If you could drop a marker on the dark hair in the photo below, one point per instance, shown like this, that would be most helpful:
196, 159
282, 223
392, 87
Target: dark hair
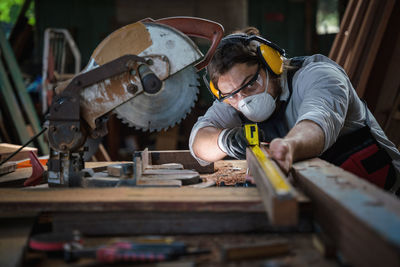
249, 31
231, 52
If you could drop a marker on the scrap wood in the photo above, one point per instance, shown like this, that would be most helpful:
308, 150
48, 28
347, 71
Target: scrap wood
228, 172
16, 178
7, 149
8, 167
145, 171
179, 156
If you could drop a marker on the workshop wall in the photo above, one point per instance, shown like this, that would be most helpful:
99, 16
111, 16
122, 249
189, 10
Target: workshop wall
291, 24
89, 22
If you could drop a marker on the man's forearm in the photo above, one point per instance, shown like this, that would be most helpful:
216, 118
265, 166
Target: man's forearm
205, 144
307, 140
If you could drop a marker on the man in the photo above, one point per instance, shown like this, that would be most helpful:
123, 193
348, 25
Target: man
305, 107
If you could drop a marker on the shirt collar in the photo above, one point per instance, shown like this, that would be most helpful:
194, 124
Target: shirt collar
285, 94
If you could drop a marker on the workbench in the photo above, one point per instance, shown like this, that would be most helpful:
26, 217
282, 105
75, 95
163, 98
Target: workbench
206, 217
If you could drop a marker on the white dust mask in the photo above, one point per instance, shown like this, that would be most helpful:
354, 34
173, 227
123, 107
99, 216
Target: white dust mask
258, 107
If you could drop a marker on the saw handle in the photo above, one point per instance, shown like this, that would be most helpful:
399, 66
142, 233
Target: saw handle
196, 27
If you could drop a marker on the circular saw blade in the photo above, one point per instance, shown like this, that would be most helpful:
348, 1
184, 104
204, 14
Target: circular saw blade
164, 109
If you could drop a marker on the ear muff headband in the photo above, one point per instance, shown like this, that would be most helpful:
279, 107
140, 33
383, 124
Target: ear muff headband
270, 54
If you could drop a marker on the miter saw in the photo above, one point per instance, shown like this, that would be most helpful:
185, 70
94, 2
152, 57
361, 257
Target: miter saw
144, 72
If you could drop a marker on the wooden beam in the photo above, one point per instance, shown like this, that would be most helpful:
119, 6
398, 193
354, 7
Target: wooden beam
351, 32
117, 211
362, 220
131, 199
163, 223
369, 58
341, 36
281, 209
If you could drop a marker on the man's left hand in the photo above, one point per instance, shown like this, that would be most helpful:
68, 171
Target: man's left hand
282, 152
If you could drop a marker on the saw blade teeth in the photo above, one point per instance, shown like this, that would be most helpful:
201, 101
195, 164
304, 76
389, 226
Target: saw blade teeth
166, 109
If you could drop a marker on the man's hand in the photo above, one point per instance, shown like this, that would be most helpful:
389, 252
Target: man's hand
233, 142
282, 152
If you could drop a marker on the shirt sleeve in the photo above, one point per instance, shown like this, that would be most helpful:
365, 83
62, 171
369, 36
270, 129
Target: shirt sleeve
325, 92
219, 115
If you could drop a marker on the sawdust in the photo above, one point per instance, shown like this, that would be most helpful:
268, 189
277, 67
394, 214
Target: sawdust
228, 172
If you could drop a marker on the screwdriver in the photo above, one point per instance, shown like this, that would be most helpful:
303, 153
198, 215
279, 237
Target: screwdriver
128, 252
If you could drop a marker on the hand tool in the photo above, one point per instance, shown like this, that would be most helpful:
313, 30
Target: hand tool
129, 252
53, 241
277, 194
271, 169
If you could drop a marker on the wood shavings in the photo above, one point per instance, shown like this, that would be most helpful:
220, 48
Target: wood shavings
228, 172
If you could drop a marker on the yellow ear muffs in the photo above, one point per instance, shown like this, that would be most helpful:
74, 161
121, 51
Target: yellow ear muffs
271, 58
214, 91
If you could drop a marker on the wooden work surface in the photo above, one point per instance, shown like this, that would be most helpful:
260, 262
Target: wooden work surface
117, 212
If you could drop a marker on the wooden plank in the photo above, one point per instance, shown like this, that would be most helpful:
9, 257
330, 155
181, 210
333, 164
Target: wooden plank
386, 95
351, 33
8, 167
373, 28
15, 179
179, 156
281, 210
341, 35
7, 149
359, 217
129, 198
163, 223
372, 51
146, 173
159, 182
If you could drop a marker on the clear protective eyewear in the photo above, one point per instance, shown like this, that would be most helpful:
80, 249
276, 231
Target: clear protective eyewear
246, 89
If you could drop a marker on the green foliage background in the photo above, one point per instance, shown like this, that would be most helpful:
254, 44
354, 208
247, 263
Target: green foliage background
9, 11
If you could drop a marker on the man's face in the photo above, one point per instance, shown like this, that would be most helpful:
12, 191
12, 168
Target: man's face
250, 80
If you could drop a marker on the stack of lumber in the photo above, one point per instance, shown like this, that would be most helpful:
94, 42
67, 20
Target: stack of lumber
368, 48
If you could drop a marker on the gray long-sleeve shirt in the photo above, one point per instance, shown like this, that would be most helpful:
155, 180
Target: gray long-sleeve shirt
322, 93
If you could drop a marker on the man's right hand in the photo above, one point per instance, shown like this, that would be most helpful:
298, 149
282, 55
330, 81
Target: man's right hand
233, 142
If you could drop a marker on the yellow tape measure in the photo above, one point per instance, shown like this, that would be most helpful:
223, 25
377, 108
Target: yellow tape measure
275, 177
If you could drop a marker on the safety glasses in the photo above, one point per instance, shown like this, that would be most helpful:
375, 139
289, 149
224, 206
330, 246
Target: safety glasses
221, 97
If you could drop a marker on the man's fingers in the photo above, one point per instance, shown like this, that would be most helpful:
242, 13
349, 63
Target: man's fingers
280, 152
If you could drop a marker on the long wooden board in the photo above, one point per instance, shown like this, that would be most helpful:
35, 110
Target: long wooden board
127, 198
362, 220
117, 211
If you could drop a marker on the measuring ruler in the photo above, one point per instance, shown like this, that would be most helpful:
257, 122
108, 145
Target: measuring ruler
270, 168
